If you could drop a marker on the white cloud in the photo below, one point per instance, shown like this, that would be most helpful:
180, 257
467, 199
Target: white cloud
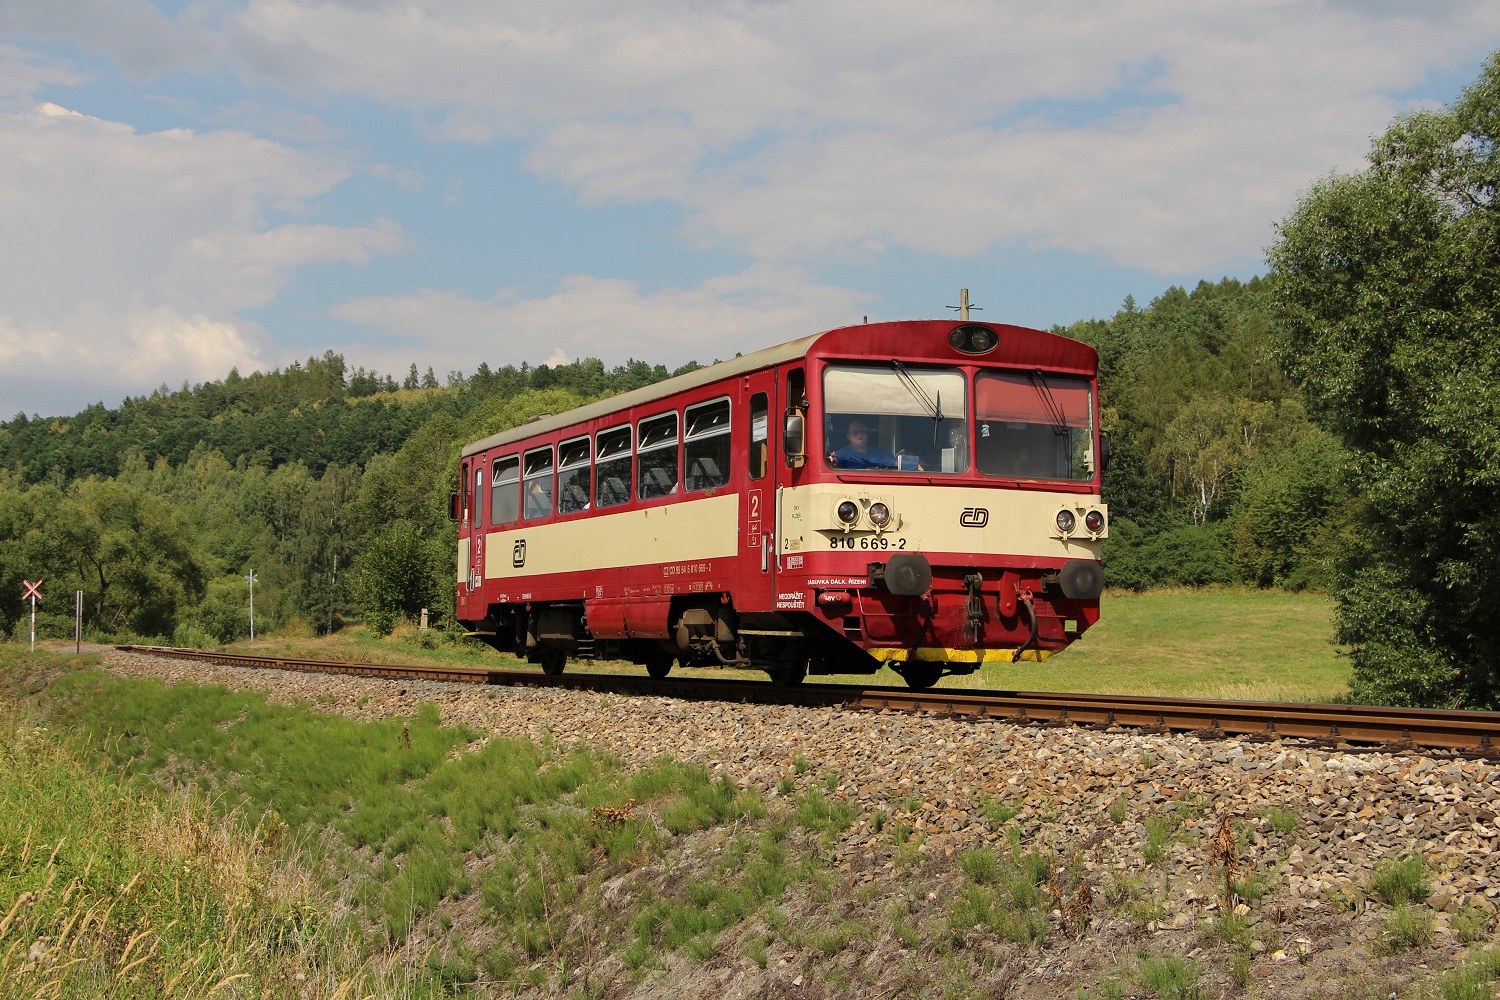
140, 39
23, 73
128, 255
609, 319
92, 353
1166, 134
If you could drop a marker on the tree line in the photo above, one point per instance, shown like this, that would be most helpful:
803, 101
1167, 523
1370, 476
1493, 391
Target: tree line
1331, 425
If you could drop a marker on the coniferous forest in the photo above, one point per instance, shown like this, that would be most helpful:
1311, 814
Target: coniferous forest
1333, 425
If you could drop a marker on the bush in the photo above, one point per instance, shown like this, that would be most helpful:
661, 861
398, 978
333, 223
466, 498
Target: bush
1184, 556
396, 575
188, 635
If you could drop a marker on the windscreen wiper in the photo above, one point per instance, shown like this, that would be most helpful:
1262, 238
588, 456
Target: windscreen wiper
920, 395
1049, 403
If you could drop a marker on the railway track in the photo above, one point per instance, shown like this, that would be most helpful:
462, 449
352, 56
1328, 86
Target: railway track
1474, 733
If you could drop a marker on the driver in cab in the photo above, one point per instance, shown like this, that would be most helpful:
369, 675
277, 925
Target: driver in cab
859, 453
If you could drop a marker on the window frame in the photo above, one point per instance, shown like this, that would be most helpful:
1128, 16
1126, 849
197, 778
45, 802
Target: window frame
547, 472
665, 444
499, 467
627, 453
724, 429
568, 467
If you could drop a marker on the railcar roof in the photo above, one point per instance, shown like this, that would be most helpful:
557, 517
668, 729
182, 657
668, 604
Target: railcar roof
648, 393
1045, 349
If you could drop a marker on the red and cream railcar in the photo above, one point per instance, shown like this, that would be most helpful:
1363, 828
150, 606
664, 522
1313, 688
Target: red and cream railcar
921, 494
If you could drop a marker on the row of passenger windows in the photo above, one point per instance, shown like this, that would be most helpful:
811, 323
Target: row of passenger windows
598, 473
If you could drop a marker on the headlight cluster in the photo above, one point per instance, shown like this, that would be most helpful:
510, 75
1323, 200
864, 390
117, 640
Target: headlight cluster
850, 512
1094, 521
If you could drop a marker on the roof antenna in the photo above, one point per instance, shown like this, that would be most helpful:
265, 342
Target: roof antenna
963, 306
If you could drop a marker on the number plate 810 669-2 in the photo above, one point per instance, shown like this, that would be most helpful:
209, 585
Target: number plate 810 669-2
865, 542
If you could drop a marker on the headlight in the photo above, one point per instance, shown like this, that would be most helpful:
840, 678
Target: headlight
848, 511
880, 514
973, 339
1094, 521
1066, 522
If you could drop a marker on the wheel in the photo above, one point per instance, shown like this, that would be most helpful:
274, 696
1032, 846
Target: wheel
921, 676
787, 674
553, 661
658, 664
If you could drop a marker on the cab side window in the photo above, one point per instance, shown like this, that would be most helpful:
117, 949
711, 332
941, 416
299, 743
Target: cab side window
760, 435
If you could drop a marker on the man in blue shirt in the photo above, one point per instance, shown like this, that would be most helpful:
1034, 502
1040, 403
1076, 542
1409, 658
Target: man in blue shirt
858, 453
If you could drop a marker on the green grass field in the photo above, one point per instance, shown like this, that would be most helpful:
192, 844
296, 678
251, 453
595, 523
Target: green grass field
1243, 644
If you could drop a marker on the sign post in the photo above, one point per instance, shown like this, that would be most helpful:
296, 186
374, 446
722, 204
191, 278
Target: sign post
251, 580
78, 621
31, 595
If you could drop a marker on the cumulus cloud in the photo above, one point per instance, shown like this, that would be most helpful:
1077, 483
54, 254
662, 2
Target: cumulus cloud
129, 254
1163, 134
611, 319
23, 73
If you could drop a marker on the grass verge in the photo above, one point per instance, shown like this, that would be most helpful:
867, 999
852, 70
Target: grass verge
1214, 643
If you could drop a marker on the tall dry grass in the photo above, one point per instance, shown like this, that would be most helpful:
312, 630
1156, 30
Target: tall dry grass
109, 891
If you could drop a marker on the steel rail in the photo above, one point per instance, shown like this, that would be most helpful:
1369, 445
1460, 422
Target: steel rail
393, 671
1453, 729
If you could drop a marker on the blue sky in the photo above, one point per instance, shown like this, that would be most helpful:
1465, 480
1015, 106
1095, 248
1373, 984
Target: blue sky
187, 187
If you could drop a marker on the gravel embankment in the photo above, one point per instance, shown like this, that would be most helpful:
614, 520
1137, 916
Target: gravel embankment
1316, 932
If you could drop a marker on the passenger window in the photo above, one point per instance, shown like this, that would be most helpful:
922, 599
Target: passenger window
573, 487
656, 457
505, 491
705, 450
760, 435
612, 467
537, 483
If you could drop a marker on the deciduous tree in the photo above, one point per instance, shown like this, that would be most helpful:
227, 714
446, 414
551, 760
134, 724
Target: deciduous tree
1388, 284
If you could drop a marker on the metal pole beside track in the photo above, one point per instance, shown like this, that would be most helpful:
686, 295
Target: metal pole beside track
251, 580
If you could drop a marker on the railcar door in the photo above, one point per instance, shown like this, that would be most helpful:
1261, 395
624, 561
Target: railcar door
761, 417
758, 556
476, 526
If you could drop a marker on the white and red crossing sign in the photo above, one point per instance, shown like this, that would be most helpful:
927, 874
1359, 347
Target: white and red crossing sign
32, 596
